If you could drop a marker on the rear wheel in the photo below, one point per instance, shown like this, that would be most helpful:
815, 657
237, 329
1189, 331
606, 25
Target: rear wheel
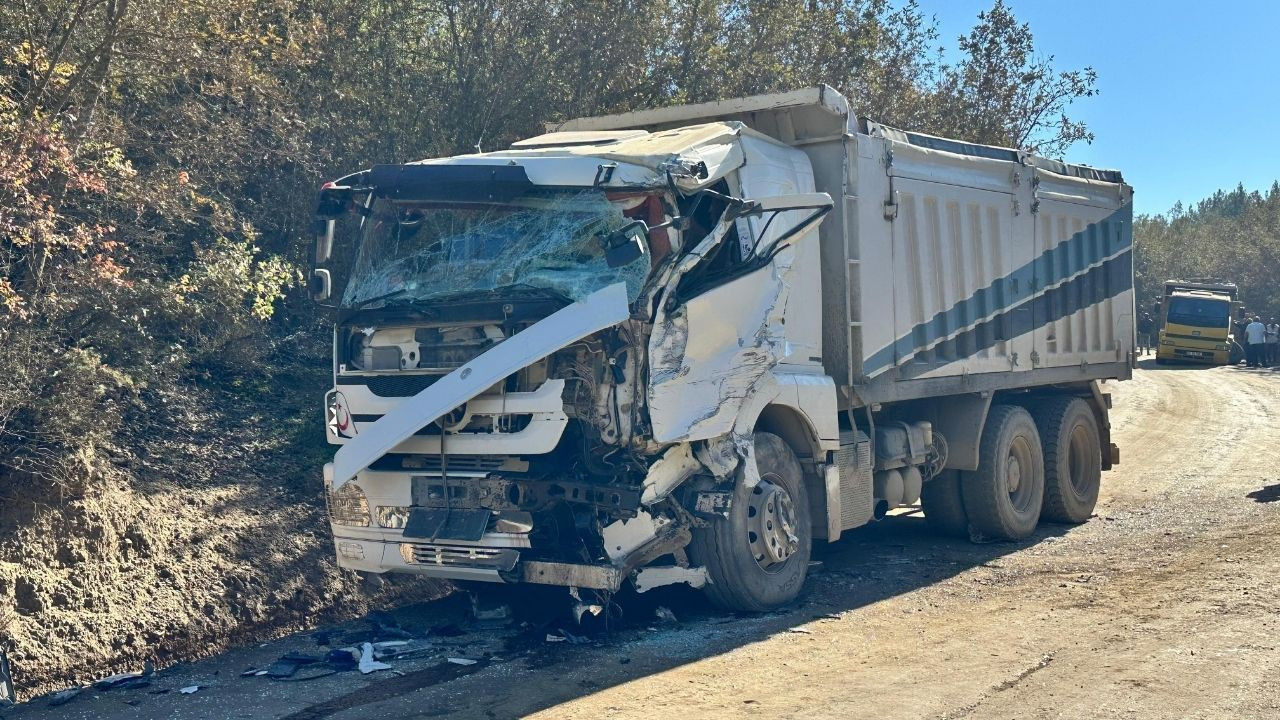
757, 558
1072, 459
943, 505
1004, 495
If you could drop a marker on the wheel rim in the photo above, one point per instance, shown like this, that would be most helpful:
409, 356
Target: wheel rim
1080, 460
1018, 473
771, 524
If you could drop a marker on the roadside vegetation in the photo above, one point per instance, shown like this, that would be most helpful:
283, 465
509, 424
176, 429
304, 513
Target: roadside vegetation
1233, 235
160, 428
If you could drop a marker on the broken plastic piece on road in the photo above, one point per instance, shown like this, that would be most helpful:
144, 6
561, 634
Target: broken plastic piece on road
289, 663
367, 663
62, 697
189, 689
401, 649
124, 681
565, 636
463, 661
343, 658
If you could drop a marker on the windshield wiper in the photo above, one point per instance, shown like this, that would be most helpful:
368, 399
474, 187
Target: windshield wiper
386, 296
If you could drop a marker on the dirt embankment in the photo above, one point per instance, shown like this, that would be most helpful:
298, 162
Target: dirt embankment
206, 532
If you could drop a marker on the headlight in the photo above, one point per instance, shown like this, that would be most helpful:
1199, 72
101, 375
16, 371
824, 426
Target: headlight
1166, 342
392, 516
348, 506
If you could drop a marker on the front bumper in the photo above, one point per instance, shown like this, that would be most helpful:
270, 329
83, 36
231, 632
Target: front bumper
1207, 354
483, 561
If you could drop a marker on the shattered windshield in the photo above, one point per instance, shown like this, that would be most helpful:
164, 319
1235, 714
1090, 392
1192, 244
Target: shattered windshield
414, 251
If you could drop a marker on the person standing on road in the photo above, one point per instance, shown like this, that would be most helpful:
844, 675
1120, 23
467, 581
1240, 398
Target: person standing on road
1255, 334
1273, 342
1146, 324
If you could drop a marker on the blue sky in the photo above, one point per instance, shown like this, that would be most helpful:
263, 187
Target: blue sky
1190, 91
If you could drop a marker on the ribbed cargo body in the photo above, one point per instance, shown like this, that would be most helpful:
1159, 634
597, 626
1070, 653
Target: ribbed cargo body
947, 267
952, 268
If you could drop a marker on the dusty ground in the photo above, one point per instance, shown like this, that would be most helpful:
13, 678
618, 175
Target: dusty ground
1163, 606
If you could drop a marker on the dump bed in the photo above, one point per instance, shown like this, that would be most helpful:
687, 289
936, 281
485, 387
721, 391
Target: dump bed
948, 267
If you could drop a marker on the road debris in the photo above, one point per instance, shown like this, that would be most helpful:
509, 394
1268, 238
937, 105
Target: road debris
386, 626
367, 663
288, 664
126, 681
189, 689
401, 649
62, 697
664, 614
490, 615
463, 661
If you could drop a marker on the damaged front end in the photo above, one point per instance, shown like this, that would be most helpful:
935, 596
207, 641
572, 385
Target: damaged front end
527, 385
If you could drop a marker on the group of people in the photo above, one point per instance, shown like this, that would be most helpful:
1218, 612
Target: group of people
1262, 343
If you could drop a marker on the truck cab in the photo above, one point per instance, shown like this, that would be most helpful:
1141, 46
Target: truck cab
1196, 323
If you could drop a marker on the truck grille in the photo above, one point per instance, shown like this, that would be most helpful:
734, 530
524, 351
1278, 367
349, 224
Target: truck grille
503, 559
392, 385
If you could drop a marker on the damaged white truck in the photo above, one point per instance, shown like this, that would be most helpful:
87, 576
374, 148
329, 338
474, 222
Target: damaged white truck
681, 345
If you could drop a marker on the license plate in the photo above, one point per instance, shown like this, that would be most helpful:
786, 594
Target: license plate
1196, 354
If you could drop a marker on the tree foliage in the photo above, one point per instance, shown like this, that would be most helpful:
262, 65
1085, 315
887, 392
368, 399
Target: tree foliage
157, 159
1232, 235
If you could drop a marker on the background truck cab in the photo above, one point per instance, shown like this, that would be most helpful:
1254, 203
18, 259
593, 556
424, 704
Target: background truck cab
1197, 320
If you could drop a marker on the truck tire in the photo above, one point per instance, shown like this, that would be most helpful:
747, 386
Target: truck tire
758, 556
1072, 459
944, 505
1004, 495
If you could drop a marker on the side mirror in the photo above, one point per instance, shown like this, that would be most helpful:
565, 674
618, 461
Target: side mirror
625, 245
320, 285
324, 239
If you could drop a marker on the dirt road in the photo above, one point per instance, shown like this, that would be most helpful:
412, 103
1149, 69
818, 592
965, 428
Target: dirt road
1163, 606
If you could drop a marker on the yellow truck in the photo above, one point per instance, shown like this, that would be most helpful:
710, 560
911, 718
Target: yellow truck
1196, 323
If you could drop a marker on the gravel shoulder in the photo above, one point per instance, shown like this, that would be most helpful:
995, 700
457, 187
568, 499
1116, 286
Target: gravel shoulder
1163, 606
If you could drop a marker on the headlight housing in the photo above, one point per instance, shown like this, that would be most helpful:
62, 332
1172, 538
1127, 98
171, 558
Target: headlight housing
349, 506
392, 516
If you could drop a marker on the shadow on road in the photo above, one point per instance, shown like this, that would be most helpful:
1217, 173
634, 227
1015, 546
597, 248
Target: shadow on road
1267, 494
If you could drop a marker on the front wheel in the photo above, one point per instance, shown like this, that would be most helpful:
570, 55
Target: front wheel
758, 556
